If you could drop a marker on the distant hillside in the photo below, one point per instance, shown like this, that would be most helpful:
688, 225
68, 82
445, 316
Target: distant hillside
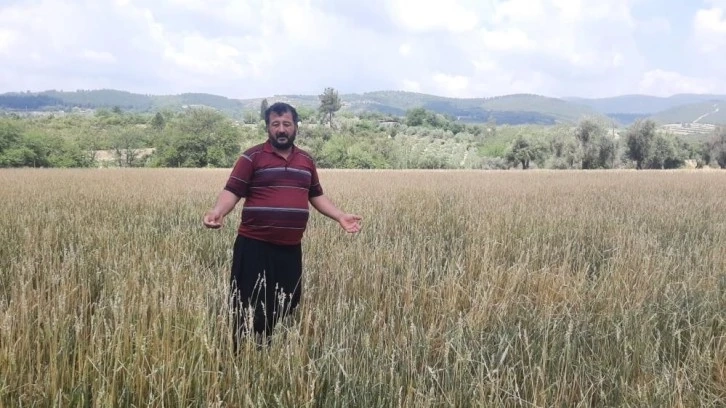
679, 108
642, 104
108, 98
508, 109
712, 112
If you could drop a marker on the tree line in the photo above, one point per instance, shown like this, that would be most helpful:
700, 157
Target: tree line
204, 137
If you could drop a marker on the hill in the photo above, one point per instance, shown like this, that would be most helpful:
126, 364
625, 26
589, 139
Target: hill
516, 109
109, 98
642, 104
508, 109
711, 112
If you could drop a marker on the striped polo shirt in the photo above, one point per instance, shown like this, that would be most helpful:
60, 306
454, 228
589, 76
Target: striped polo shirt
276, 192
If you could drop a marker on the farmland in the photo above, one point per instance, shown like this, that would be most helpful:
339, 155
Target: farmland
465, 288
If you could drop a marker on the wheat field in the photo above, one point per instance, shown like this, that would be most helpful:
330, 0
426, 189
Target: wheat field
465, 288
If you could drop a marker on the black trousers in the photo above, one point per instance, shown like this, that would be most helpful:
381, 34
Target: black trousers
266, 284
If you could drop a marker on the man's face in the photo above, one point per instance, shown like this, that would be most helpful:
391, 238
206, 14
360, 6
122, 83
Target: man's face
282, 130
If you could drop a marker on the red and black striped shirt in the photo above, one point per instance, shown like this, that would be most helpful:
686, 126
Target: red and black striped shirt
276, 192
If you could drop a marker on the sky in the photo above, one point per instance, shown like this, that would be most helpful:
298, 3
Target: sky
457, 48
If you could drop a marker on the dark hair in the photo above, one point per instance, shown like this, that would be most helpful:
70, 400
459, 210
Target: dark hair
280, 108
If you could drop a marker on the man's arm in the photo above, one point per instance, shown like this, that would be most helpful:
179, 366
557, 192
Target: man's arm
349, 222
225, 203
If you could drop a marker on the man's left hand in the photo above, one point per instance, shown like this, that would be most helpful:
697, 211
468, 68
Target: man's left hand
350, 222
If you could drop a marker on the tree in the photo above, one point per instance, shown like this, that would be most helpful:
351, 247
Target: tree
565, 150
305, 113
249, 118
13, 152
416, 117
126, 144
329, 104
263, 108
523, 151
705, 151
664, 153
718, 146
9, 135
158, 122
607, 152
589, 133
639, 141
202, 137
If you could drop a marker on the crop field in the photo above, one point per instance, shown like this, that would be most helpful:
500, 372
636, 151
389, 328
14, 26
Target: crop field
465, 288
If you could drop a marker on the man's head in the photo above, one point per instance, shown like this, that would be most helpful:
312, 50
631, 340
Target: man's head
281, 120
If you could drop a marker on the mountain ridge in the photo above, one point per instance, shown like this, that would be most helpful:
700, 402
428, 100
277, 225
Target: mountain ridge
516, 108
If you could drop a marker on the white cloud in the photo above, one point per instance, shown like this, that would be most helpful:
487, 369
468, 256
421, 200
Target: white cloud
411, 86
404, 49
432, 15
519, 11
506, 40
710, 28
655, 26
7, 39
264, 47
556, 47
451, 85
665, 83
206, 57
102, 57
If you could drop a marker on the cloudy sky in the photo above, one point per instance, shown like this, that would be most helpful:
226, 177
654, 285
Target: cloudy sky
463, 48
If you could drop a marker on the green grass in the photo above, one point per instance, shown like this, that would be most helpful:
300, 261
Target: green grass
465, 288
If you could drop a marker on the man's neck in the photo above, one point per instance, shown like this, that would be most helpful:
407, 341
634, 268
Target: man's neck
283, 152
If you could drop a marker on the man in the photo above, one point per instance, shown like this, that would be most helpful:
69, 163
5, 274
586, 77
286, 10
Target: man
277, 180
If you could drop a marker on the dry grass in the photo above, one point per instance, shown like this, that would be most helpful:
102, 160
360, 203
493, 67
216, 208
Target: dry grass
464, 289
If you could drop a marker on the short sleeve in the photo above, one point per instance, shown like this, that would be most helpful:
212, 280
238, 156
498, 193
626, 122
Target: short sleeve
315, 188
239, 179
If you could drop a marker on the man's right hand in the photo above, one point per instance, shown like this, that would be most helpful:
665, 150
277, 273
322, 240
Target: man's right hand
225, 203
213, 219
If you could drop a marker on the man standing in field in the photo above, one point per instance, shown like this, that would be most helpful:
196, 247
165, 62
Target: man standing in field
277, 180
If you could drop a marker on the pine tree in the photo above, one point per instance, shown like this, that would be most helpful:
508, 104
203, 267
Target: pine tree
263, 108
329, 103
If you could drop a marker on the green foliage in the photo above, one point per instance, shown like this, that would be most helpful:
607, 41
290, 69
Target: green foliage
305, 114
598, 149
10, 134
607, 152
526, 149
423, 117
158, 123
343, 151
639, 141
664, 153
22, 148
588, 133
199, 138
249, 118
126, 144
718, 147
204, 137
